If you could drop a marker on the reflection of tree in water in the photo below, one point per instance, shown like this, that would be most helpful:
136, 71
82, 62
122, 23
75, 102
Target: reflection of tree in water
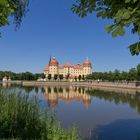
42, 89
83, 90
79, 90
132, 99
10, 86
28, 89
75, 89
49, 90
55, 89
36, 90
67, 90
60, 90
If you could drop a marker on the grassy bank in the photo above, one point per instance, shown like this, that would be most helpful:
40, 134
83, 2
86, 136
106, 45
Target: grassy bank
21, 119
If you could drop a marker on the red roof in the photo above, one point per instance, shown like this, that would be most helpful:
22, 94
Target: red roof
54, 62
61, 67
68, 65
78, 67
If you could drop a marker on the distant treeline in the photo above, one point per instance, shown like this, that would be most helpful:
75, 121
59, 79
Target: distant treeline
132, 75
21, 76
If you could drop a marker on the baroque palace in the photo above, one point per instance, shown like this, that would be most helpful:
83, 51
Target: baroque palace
72, 71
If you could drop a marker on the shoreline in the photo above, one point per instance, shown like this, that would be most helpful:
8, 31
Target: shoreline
118, 87
124, 88
121, 85
130, 85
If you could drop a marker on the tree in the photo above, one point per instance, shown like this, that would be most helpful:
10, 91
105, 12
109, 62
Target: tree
61, 76
67, 76
124, 13
124, 76
49, 76
75, 78
83, 77
114, 76
79, 77
27, 76
90, 76
21, 76
138, 72
14, 8
55, 77
132, 74
39, 75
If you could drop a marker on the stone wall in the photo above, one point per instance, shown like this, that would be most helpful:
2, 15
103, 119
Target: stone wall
129, 85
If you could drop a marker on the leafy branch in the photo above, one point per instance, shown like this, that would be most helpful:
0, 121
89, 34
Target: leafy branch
124, 13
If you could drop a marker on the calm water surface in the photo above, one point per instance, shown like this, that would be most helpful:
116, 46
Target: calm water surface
106, 114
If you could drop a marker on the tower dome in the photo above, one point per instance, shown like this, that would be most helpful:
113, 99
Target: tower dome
54, 62
87, 63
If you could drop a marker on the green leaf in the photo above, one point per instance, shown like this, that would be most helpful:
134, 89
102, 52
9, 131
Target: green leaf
126, 15
119, 13
127, 1
135, 1
110, 27
119, 31
2, 3
99, 14
135, 48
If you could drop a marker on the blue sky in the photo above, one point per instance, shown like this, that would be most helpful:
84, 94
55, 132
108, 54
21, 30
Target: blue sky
50, 28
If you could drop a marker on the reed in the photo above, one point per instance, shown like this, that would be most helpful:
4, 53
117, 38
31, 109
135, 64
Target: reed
22, 119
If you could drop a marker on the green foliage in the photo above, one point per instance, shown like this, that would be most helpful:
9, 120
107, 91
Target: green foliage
15, 8
22, 119
135, 48
7, 8
20, 11
131, 75
61, 76
75, 78
67, 76
79, 77
49, 76
124, 13
83, 77
55, 77
21, 76
118, 98
138, 72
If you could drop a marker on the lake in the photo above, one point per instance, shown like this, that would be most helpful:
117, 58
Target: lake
106, 114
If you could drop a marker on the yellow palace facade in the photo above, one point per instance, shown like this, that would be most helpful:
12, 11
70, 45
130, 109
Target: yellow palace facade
73, 71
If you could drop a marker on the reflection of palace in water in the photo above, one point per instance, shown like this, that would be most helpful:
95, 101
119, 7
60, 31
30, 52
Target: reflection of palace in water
67, 94
6, 85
